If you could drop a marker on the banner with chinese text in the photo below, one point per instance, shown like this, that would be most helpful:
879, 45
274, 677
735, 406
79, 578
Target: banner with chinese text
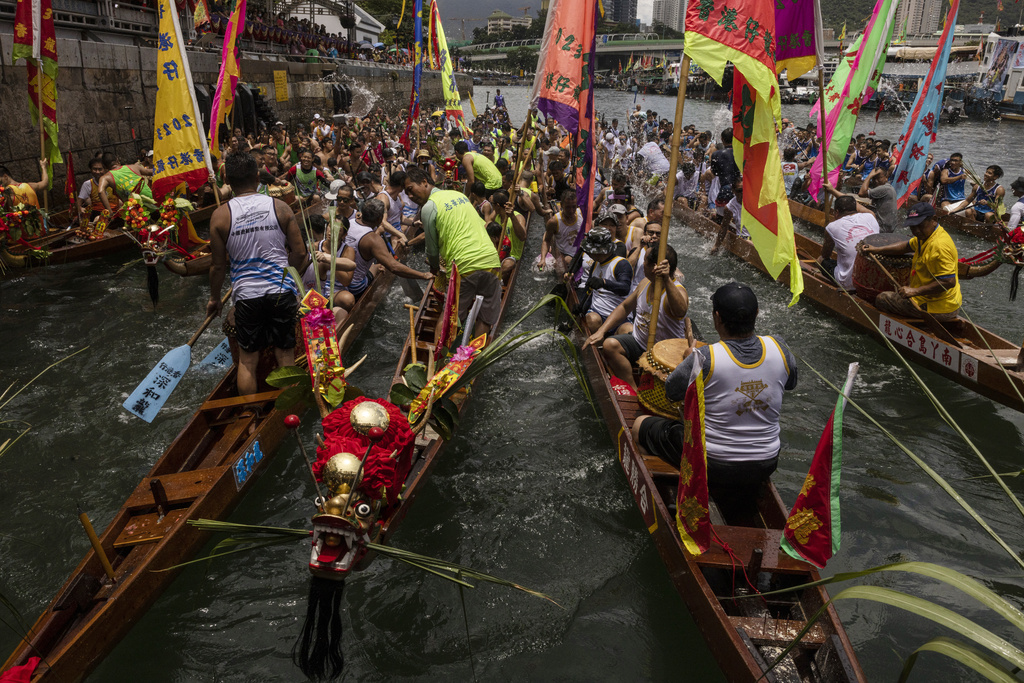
36, 43
692, 520
442, 58
798, 37
180, 155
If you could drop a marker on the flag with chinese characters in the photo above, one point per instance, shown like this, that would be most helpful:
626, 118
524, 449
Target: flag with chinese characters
812, 529
854, 82
756, 150
910, 153
224, 97
36, 43
692, 520
562, 88
417, 74
201, 15
442, 59
799, 38
180, 155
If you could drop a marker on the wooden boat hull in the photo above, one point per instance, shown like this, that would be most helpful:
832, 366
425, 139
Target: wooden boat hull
971, 366
959, 222
205, 472
730, 637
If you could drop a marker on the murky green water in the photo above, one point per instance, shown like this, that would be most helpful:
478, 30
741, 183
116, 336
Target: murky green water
529, 489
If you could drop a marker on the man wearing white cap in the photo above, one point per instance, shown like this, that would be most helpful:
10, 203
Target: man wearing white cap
320, 127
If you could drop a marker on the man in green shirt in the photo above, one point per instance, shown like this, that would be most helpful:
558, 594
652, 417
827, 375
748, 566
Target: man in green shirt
455, 233
478, 167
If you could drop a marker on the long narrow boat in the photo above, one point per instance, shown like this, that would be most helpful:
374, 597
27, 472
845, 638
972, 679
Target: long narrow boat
428, 444
957, 351
204, 473
746, 635
955, 221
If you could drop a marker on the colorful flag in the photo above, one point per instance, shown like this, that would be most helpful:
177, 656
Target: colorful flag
180, 155
854, 82
562, 87
911, 151
716, 34
842, 32
35, 42
201, 15
799, 37
417, 73
442, 58
224, 97
903, 31
692, 519
629, 64
69, 185
766, 213
812, 529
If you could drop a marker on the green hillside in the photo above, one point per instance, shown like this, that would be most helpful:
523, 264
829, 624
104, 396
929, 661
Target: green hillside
856, 13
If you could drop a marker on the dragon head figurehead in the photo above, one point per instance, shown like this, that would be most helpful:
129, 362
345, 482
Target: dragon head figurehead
363, 461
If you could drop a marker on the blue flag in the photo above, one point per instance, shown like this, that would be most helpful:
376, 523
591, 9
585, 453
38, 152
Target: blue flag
911, 152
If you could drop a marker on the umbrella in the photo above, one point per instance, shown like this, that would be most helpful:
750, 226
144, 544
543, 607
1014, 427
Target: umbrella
378, 44
365, 46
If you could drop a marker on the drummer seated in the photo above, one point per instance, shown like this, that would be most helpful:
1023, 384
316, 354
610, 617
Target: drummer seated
610, 276
854, 223
934, 282
745, 377
622, 351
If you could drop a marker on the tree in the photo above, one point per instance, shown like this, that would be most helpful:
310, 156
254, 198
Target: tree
665, 31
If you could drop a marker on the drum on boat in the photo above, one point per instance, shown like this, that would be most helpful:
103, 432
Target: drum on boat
868, 279
657, 365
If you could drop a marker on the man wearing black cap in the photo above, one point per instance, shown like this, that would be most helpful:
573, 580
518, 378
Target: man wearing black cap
745, 376
934, 286
610, 276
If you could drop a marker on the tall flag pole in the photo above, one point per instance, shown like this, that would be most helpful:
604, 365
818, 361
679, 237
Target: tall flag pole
716, 34
562, 87
417, 73
920, 129
36, 43
180, 154
224, 97
812, 530
854, 82
442, 58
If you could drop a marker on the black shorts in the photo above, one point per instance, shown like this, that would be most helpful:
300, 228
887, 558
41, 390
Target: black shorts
266, 321
358, 292
630, 345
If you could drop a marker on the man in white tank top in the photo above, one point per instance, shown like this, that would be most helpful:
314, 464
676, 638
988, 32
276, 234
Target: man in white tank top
561, 230
260, 236
622, 351
610, 276
745, 377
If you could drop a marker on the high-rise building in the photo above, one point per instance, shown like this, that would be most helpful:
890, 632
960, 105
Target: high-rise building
922, 17
671, 13
620, 11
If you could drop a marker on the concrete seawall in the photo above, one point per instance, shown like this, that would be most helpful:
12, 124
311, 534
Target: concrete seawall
107, 91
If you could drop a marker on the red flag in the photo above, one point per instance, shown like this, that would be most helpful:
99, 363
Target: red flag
448, 330
69, 185
36, 42
812, 529
20, 674
692, 519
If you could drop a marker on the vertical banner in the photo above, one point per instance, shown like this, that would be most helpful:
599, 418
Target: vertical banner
442, 58
911, 152
36, 43
281, 85
799, 37
692, 520
180, 154
224, 97
854, 82
417, 73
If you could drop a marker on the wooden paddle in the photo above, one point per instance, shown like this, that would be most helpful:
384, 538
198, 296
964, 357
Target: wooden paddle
151, 394
929, 319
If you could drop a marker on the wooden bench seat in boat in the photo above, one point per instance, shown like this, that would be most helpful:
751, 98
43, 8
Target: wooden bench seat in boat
743, 541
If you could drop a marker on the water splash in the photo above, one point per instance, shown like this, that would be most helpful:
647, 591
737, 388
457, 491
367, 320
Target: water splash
363, 99
720, 120
891, 96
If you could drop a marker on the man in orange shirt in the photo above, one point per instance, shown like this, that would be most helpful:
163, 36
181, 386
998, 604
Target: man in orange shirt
23, 193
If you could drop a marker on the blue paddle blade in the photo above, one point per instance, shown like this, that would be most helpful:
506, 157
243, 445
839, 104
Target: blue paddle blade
220, 357
149, 397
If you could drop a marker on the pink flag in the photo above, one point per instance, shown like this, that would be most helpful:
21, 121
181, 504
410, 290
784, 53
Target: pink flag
224, 98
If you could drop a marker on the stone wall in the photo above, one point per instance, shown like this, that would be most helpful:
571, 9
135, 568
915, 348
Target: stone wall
106, 97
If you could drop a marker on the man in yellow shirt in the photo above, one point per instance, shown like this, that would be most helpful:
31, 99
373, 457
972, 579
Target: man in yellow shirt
477, 167
23, 193
934, 286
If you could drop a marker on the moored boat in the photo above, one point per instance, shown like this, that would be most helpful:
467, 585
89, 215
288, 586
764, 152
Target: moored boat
744, 635
204, 473
957, 350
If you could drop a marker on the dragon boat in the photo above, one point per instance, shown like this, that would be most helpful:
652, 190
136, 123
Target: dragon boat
744, 635
212, 463
973, 357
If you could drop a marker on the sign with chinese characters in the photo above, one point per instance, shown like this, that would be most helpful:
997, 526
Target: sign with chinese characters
180, 153
633, 467
149, 397
246, 464
281, 85
915, 340
969, 367
220, 357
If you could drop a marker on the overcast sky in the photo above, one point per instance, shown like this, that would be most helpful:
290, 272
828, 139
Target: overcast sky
452, 11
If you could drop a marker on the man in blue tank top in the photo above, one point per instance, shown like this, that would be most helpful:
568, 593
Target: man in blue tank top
260, 237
